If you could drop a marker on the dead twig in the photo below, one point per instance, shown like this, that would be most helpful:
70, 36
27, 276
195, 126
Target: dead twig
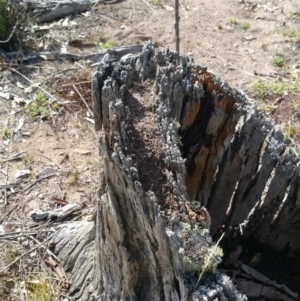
148, 5
78, 83
46, 249
38, 180
74, 87
21, 256
30, 81
23, 233
208, 262
12, 157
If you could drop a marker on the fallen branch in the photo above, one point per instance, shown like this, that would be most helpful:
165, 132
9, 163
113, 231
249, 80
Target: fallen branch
113, 55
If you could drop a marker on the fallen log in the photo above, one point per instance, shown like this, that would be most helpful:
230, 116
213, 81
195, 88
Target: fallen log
184, 157
113, 55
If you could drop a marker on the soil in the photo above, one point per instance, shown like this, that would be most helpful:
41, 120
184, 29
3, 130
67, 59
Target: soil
58, 146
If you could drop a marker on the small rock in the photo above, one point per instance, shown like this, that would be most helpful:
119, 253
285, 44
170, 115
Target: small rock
123, 26
249, 38
22, 173
25, 244
41, 196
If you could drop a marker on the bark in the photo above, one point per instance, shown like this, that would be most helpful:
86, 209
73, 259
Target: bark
197, 142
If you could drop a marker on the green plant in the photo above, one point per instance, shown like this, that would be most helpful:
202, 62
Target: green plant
295, 16
28, 159
232, 21
155, 2
245, 25
39, 288
31, 175
211, 260
260, 89
12, 19
108, 44
279, 88
292, 130
73, 177
286, 32
5, 133
39, 105
278, 60
12, 254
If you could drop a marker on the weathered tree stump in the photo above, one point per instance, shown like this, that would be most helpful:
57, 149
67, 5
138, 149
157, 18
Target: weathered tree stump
175, 140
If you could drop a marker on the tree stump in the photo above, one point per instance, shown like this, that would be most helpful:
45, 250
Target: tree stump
185, 158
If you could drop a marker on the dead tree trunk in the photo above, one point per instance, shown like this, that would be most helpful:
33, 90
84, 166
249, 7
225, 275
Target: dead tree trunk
175, 140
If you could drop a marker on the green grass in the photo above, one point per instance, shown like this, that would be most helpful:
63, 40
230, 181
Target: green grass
295, 16
73, 177
290, 33
262, 89
5, 133
245, 25
292, 130
155, 2
12, 254
39, 105
278, 60
6, 21
108, 44
39, 289
28, 159
233, 21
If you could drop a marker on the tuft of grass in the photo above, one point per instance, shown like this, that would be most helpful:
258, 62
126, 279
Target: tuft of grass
292, 130
5, 133
295, 16
12, 254
278, 60
279, 88
39, 105
155, 2
211, 260
12, 24
262, 89
31, 176
73, 177
233, 21
28, 159
108, 44
290, 33
38, 288
245, 25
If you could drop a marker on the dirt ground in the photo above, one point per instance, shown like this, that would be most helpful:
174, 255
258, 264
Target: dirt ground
47, 129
